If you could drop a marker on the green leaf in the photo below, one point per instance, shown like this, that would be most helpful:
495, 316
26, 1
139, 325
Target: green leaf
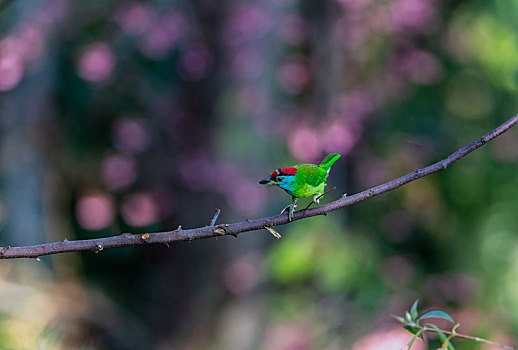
413, 329
413, 310
436, 313
408, 317
400, 319
418, 334
442, 337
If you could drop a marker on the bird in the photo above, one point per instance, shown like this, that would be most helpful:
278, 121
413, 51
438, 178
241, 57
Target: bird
302, 180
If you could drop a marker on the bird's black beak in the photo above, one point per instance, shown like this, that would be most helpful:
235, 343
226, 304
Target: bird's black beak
266, 181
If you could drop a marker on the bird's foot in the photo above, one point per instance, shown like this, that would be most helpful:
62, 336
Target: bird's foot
288, 207
291, 209
290, 213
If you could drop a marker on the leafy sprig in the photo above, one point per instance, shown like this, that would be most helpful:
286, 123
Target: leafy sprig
412, 323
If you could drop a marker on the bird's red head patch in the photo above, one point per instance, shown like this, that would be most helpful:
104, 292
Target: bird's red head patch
283, 171
289, 171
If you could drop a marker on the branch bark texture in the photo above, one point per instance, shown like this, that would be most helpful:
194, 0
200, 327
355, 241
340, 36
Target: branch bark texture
127, 239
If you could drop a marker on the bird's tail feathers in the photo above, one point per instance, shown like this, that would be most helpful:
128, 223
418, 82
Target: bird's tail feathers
329, 161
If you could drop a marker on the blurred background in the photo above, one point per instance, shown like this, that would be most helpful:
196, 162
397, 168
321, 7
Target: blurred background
127, 116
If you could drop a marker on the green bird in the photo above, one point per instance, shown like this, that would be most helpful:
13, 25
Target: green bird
302, 180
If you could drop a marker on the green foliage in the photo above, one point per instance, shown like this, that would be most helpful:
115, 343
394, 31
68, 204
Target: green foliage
320, 252
437, 313
411, 323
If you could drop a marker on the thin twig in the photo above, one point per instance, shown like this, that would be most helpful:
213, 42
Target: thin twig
216, 214
127, 239
465, 336
322, 195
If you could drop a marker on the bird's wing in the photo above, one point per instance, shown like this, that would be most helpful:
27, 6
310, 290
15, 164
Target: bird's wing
311, 174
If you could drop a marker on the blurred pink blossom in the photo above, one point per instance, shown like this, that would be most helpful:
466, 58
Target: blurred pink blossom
416, 15
353, 106
32, 41
26, 44
163, 35
195, 63
11, 72
139, 210
96, 62
242, 276
52, 11
118, 172
420, 67
133, 17
131, 135
245, 197
288, 336
339, 138
304, 144
245, 21
294, 75
95, 212
397, 338
352, 31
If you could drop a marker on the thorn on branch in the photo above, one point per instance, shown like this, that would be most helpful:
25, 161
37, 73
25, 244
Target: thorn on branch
273, 232
98, 248
216, 214
4, 249
219, 230
145, 236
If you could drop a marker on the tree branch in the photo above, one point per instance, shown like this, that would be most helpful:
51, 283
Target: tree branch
127, 239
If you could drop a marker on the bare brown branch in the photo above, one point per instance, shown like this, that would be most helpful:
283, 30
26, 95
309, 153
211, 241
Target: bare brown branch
126, 239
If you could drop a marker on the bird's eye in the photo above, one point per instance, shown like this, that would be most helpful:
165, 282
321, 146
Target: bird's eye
279, 179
